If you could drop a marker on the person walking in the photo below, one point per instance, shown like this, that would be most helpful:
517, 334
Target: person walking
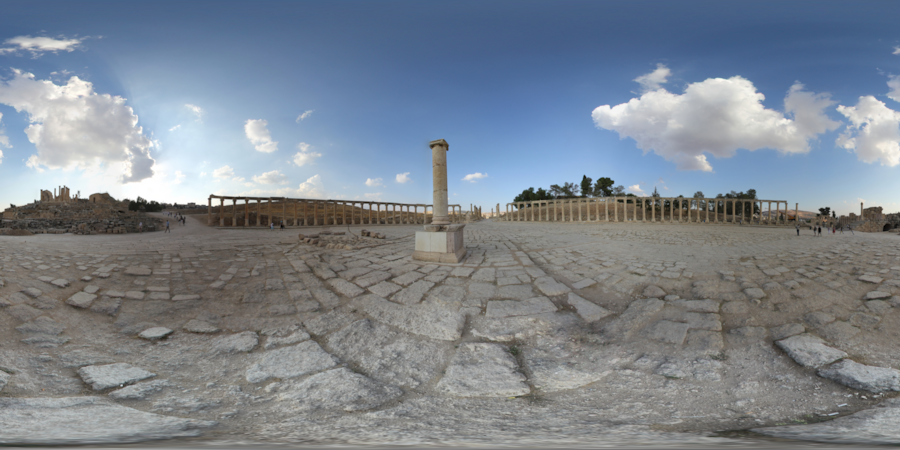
282, 225
842, 229
167, 227
272, 226
851, 229
140, 227
798, 228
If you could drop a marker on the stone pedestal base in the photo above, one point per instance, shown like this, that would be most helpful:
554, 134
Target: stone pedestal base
440, 243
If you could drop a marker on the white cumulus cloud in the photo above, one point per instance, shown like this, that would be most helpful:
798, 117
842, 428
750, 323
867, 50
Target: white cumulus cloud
179, 177
273, 177
636, 190
716, 116
873, 132
305, 156
896, 51
226, 173
40, 44
259, 136
403, 178
74, 127
473, 177
373, 196
372, 182
894, 84
305, 115
654, 80
197, 111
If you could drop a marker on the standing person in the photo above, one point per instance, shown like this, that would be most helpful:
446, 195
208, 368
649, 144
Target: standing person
272, 226
798, 228
820, 231
850, 228
842, 229
140, 227
282, 225
167, 227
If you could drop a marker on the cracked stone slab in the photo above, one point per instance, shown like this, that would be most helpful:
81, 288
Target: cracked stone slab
667, 331
86, 421
112, 375
638, 314
483, 370
871, 279
555, 369
425, 320
139, 391
337, 390
290, 362
155, 333
810, 351
388, 356
344, 287
860, 376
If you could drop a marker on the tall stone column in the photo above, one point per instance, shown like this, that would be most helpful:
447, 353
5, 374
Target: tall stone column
653, 209
246, 212
221, 212
616, 209
234, 212
209, 211
439, 149
861, 211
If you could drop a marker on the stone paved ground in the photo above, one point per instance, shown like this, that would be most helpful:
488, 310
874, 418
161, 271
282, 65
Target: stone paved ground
557, 333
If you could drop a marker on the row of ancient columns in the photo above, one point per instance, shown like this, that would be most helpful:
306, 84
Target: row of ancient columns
581, 209
325, 212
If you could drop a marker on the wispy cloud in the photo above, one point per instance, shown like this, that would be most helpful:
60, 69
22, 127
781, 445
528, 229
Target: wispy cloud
473, 177
198, 111
39, 45
175, 127
273, 177
372, 182
305, 115
403, 178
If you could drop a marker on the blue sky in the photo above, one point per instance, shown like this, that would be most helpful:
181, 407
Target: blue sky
174, 101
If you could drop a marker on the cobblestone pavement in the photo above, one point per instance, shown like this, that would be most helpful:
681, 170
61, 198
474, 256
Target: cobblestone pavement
545, 333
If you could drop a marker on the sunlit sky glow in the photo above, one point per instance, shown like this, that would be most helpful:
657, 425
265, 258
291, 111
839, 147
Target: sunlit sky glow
174, 101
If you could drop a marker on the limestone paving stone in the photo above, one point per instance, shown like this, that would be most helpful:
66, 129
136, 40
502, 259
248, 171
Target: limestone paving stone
112, 375
482, 370
875, 295
511, 308
876, 426
32, 292
138, 271
81, 300
588, 311
878, 307
810, 351
838, 331
60, 283
413, 293
787, 330
42, 325
653, 292
344, 287
431, 321
337, 390
139, 391
384, 289
86, 421
390, 357
667, 331
185, 297
638, 314
871, 279
290, 362
4, 379
107, 305
236, 343
155, 333
134, 295
863, 377
551, 287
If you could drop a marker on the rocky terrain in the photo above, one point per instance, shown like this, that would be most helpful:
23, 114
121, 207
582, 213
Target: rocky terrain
547, 333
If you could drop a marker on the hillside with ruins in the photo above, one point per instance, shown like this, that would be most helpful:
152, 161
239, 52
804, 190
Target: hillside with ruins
59, 211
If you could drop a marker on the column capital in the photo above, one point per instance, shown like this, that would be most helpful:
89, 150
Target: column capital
440, 142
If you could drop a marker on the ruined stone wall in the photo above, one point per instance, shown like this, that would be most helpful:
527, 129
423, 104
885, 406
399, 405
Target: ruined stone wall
79, 216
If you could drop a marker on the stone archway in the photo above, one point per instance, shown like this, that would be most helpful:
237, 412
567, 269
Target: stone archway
888, 227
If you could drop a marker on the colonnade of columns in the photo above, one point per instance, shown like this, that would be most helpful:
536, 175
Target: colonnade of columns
645, 209
304, 212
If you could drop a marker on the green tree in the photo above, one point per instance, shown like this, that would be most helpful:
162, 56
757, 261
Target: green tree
618, 191
586, 186
603, 187
825, 212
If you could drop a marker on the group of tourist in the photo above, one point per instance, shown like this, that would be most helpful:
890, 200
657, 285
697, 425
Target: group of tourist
817, 230
272, 225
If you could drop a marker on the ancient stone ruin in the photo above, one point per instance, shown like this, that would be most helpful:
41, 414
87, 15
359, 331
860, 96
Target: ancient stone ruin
57, 212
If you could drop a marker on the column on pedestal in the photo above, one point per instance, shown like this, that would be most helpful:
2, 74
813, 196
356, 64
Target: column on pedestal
233, 212
439, 149
221, 212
